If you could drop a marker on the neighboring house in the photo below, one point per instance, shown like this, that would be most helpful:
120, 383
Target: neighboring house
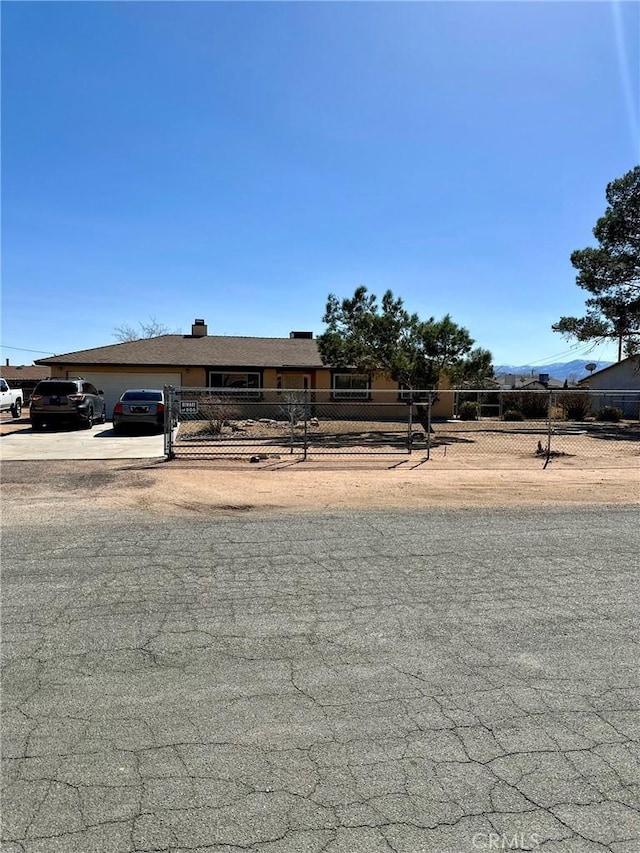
201, 360
509, 381
544, 382
620, 386
518, 381
23, 376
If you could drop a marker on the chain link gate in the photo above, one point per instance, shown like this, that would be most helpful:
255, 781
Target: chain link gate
279, 422
212, 422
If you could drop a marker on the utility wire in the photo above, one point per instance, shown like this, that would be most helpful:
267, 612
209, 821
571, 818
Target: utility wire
24, 349
577, 349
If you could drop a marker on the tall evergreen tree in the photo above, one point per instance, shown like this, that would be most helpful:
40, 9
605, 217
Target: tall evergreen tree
610, 272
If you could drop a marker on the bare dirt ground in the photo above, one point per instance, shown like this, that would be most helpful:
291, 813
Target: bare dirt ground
464, 476
235, 487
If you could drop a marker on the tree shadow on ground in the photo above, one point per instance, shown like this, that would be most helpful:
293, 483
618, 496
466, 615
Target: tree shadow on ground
367, 440
613, 433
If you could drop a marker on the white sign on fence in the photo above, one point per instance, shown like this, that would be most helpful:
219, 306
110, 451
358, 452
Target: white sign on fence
188, 407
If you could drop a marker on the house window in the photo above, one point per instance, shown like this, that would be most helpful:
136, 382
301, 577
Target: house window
405, 395
237, 383
351, 386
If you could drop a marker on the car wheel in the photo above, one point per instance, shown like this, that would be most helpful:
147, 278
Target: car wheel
88, 422
16, 409
103, 418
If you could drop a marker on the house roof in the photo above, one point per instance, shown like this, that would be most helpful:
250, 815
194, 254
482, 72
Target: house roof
26, 373
194, 351
615, 366
551, 384
517, 381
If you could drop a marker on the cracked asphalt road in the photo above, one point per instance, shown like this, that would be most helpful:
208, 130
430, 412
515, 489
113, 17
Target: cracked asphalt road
443, 681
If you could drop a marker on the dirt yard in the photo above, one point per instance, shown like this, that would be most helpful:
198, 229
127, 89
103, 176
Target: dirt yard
219, 487
488, 443
605, 473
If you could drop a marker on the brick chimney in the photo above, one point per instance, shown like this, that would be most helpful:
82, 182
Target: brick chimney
199, 329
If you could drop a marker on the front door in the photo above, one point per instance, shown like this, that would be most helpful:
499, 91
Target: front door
297, 381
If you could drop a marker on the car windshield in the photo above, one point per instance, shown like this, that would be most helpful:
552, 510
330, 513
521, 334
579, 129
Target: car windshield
148, 396
57, 389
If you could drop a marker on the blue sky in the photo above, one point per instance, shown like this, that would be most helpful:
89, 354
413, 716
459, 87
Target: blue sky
239, 161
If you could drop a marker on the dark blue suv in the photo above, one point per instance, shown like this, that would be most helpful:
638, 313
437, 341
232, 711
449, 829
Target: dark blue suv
57, 401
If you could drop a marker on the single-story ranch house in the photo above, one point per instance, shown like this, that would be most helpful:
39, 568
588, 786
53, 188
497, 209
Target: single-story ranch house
201, 360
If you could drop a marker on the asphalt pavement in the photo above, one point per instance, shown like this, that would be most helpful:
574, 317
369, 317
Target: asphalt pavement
443, 681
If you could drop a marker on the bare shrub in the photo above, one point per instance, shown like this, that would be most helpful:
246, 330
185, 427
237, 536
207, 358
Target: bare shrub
294, 407
609, 414
575, 406
218, 411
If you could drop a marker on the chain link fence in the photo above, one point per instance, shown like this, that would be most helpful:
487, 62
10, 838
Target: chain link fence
479, 426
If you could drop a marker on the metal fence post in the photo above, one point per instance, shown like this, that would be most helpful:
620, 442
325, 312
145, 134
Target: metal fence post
549, 414
168, 421
292, 424
410, 427
306, 397
429, 400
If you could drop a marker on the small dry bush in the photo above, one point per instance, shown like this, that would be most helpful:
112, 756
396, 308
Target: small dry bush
218, 412
575, 407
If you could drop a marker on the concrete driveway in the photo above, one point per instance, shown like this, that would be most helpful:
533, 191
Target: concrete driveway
69, 442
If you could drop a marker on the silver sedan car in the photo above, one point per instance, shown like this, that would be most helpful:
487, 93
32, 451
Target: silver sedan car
141, 407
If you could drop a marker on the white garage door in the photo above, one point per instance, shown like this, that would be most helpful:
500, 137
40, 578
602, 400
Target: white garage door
113, 384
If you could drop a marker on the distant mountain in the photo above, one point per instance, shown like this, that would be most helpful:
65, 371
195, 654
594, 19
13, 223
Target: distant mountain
557, 370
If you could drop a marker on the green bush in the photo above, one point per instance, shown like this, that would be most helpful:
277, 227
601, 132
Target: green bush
530, 403
513, 415
609, 414
534, 405
468, 411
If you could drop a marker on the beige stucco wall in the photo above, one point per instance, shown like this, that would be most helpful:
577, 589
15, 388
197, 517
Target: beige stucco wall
67, 371
323, 380
196, 377
385, 390
269, 377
